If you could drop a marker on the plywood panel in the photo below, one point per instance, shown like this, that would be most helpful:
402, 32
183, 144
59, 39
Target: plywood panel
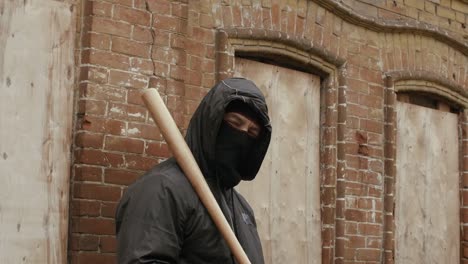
36, 99
427, 186
286, 193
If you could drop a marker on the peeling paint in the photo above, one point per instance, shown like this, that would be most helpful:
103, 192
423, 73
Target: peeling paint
135, 114
134, 131
117, 110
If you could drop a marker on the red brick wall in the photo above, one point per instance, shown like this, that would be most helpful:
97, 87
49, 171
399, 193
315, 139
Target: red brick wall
125, 46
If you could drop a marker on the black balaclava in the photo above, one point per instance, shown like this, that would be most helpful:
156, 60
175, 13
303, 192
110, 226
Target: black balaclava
206, 123
233, 148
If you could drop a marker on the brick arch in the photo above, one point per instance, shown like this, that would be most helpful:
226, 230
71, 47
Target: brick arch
298, 53
395, 26
444, 88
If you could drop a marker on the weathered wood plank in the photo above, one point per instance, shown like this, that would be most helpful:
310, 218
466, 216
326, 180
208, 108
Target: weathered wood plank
427, 186
36, 88
286, 193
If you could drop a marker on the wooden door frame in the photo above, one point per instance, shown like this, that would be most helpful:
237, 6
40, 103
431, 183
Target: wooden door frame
431, 83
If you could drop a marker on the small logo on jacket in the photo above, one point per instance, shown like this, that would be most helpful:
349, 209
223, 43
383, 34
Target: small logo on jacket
247, 219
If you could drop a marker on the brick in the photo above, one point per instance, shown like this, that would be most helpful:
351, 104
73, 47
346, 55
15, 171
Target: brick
157, 149
368, 254
122, 177
97, 157
142, 34
94, 74
371, 126
87, 258
374, 191
159, 7
88, 243
371, 75
97, 8
108, 209
196, 49
97, 192
206, 21
177, 72
91, 123
374, 243
356, 241
227, 16
460, 6
170, 56
127, 79
369, 229
355, 215
73, 242
178, 42
115, 127
99, 226
371, 178
88, 140
129, 47
134, 96
104, 25
122, 2
351, 228
415, 3
132, 16
92, 107
96, 41
107, 59
328, 215
194, 78
102, 92
137, 162
158, 83
144, 131
430, 7
175, 87
236, 16
127, 112
142, 66
85, 208
123, 144
376, 165
357, 111
203, 35
166, 23
191, 106
88, 173
445, 12
162, 38
108, 244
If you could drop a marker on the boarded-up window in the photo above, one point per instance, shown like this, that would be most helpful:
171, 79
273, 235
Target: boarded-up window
427, 186
36, 101
286, 194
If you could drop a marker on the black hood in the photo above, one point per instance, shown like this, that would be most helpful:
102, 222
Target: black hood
206, 121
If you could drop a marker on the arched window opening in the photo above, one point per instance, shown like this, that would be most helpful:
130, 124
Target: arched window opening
429, 100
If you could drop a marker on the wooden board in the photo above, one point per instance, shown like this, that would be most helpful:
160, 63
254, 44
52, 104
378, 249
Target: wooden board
427, 205
286, 194
36, 101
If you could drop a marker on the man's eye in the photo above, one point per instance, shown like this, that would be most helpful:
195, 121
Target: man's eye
253, 132
233, 123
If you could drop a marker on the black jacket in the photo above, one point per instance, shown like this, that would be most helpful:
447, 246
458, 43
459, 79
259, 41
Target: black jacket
160, 219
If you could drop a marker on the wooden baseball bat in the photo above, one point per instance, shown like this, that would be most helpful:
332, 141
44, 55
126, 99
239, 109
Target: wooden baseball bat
186, 161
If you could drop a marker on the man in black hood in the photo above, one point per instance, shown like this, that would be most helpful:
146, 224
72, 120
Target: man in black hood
160, 219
